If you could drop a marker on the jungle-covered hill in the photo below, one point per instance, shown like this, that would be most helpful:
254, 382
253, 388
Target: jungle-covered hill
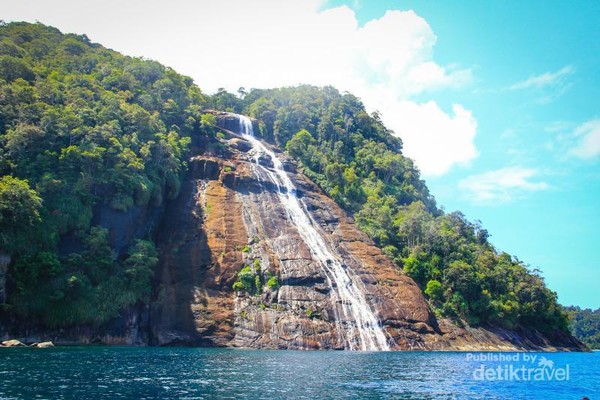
82, 126
585, 325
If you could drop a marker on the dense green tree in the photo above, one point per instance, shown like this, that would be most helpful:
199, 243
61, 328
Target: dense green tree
83, 126
86, 288
19, 214
434, 290
13, 68
585, 325
139, 268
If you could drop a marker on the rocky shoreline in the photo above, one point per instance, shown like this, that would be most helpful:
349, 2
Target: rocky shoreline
18, 343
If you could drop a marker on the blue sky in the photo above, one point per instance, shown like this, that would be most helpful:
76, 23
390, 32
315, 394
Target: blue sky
497, 101
536, 81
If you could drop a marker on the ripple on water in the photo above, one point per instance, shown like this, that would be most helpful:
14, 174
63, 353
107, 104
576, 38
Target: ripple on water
159, 373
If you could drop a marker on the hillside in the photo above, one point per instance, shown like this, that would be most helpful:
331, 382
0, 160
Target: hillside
83, 128
94, 225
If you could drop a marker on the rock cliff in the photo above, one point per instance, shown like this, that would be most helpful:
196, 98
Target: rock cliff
229, 216
4, 262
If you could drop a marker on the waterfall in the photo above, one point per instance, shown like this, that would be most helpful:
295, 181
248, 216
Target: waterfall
361, 328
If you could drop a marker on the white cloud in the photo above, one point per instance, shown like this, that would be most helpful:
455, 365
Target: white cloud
434, 139
501, 186
394, 54
545, 79
588, 140
270, 43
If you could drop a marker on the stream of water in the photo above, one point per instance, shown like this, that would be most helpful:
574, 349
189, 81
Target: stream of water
356, 321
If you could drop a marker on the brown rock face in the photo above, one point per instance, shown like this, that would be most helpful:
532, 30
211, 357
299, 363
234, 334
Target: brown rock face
226, 217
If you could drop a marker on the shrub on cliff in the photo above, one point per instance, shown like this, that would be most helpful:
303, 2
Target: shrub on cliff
19, 214
273, 283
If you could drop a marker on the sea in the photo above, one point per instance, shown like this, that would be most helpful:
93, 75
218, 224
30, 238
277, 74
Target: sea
217, 373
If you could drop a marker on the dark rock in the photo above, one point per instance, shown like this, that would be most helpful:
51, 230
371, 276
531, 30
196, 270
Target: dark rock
240, 144
229, 122
125, 227
266, 162
4, 263
205, 168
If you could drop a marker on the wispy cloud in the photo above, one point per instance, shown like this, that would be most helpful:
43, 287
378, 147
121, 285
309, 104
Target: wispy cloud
587, 136
501, 186
545, 79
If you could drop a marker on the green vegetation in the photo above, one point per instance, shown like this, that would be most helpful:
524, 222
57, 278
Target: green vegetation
19, 214
90, 287
248, 281
585, 325
312, 313
238, 286
80, 126
434, 290
273, 283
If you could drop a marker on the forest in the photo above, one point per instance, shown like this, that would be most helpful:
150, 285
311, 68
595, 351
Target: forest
82, 126
585, 325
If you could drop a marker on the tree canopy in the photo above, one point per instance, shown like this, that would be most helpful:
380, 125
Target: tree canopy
19, 214
585, 325
84, 126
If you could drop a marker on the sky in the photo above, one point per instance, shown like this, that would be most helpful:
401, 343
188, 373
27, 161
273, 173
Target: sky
496, 101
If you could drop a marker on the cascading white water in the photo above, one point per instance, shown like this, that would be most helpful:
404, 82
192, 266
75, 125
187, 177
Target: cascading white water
361, 328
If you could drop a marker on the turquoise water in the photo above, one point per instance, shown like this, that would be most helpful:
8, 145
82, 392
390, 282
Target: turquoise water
192, 373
